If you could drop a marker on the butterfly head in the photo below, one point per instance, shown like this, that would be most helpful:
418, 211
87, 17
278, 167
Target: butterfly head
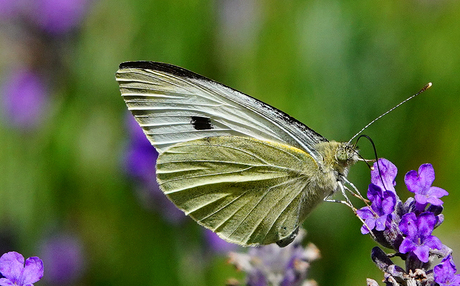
338, 156
346, 154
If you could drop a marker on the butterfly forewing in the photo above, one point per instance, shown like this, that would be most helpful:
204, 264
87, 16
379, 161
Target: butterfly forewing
175, 105
248, 191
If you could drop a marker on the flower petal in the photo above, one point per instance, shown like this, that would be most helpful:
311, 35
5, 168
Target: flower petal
426, 175
433, 242
6, 282
11, 265
388, 202
408, 225
407, 245
380, 223
33, 271
411, 180
384, 169
421, 199
422, 253
364, 213
425, 224
434, 201
373, 192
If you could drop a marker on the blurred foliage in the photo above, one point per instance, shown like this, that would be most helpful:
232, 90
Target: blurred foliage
334, 65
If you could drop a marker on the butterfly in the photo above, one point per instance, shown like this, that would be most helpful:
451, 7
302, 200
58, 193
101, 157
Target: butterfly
237, 166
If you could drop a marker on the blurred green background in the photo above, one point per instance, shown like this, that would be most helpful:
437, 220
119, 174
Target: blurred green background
334, 65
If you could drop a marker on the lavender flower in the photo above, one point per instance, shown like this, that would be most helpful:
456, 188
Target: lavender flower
407, 227
272, 265
420, 184
24, 98
18, 273
418, 238
379, 213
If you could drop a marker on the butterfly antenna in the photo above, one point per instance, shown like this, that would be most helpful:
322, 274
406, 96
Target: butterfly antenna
427, 86
375, 154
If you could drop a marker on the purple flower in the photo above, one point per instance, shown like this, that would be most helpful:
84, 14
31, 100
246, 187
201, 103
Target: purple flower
17, 273
444, 273
24, 98
386, 171
63, 256
420, 184
379, 213
418, 238
272, 265
58, 16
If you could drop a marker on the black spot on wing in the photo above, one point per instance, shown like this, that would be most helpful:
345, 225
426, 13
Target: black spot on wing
201, 123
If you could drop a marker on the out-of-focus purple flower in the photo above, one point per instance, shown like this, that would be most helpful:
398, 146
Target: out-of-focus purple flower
444, 273
272, 265
17, 273
140, 160
379, 213
9, 9
24, 99
141, 156
418, 238
64, 259
420, 184
217, 244
57, 16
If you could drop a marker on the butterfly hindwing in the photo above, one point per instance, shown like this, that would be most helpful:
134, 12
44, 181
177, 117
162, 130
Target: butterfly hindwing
248, 191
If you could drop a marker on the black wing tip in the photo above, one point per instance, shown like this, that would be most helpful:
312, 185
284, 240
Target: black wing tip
163, 67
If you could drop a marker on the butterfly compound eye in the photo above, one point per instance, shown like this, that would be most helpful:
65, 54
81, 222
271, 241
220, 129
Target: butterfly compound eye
347, 154
342, 154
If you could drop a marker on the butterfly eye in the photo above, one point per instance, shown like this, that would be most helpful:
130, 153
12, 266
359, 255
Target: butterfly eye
342, 154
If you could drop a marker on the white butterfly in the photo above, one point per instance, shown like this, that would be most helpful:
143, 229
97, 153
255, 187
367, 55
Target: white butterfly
236, 165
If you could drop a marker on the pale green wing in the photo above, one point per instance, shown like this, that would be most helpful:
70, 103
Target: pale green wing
248, 191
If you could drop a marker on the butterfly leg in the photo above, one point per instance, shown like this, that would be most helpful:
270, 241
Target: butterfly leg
350, 205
